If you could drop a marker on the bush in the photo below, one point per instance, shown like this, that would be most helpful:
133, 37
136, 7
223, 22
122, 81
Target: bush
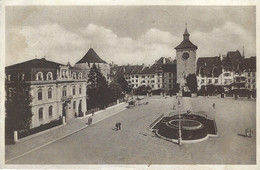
42, 127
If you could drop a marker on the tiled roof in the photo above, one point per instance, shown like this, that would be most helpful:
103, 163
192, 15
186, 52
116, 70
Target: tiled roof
208, 65
170, 67
91, 57
248, 64
35, 63
186, 44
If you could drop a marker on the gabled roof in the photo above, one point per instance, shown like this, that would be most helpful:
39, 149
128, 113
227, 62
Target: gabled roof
169, 67
208, 66
248, 64
234, 56
91, 57
35, 63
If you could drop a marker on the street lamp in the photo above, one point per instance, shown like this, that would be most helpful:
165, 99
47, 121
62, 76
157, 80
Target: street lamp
179, 137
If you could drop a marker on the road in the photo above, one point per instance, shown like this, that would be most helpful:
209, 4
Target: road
135, 144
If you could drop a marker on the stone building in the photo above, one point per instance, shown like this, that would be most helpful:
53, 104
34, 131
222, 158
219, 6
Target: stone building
91, 58
186, 58
57, 90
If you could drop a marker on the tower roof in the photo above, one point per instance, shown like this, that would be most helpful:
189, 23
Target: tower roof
91, 57
186, 43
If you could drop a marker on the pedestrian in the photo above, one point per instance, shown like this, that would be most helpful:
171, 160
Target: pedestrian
119, 125
213, 105
116, 126
246, 132
250, 132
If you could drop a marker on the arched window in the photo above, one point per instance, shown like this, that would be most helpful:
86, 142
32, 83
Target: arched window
50, 111
40, 114
80, 75
74, 75
39, 76
80, 89
40, 94
49, 93
49, 76
64, 91
74, 90
74, 105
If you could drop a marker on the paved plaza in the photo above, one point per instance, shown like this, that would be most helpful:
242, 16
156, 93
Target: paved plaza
135, 144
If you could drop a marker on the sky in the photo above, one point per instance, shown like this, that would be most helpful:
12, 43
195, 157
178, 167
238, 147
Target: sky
125, 34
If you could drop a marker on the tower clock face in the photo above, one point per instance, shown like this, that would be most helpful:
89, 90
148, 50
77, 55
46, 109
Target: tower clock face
185, 56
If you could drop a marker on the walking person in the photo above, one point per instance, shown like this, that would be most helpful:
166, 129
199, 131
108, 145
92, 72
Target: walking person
116, 126
213, 105
119, 125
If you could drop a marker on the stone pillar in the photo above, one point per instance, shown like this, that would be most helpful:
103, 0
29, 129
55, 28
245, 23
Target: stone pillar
117, 101
15, 136
63, 120
147, 94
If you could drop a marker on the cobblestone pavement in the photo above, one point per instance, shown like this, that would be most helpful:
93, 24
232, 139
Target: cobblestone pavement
135, 144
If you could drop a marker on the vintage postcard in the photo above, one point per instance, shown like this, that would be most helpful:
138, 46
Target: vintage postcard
138, 85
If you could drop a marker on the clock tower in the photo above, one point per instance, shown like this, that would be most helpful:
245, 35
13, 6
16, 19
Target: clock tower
186, 58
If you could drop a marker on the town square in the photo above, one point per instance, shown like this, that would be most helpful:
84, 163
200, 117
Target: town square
130, 85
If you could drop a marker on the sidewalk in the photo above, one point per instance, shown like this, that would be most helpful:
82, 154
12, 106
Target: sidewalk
73, 126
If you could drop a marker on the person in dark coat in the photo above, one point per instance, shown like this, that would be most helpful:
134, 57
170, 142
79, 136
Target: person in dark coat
116, 126
119, 125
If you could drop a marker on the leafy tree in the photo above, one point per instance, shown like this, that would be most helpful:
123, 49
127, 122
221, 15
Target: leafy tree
124, 84
18, 107
192, 83
97, 89
115, 91
175, 89
142, 90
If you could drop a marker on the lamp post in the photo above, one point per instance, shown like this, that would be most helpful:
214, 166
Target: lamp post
179, 137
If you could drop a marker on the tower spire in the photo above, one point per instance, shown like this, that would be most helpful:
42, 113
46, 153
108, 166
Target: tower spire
186, 33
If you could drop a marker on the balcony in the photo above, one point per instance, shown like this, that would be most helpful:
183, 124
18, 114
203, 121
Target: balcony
66, 98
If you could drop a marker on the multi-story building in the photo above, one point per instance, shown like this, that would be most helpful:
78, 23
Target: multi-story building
57, 90
249, 68
161, 75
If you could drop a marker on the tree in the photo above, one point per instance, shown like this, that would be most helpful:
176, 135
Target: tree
18, 107
97, 89
124, 84
192, 83
115, 91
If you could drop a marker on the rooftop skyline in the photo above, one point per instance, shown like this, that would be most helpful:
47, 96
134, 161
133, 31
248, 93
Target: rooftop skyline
125, 34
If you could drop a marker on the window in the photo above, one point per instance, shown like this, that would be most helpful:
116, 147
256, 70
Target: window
49, 93
248, 74
159, 74
136, 80
152, 76
133, 76
170, 80
50, 111
253, 74
74, 105
132, 80
49, 76
163, 86
248, 80
248, 86
152, 81
158, 80
40, 94
152, 86
80, 76
80, 89
163, 80
253, 80
39, 76
210, 81
170, 74
74, 90
143, 77
202, 81
41, 114
253, 86
216, 81
170, 86
226, 74
158, 85
136, 76
143, 81
74, 76
64, 91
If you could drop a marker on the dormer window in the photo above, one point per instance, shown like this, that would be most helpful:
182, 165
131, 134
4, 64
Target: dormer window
39, 76
49, 76
74, 76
